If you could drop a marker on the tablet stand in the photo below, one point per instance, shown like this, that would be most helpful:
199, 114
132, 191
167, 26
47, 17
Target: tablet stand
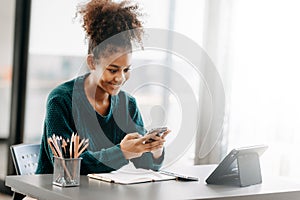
242, 170
240, 167
249, 172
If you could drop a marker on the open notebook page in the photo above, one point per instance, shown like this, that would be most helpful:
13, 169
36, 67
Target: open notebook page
131, 175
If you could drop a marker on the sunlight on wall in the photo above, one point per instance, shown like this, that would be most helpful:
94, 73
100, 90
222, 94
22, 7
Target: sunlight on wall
265, 98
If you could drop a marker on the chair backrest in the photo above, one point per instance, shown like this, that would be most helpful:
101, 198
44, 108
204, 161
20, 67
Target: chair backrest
25, 157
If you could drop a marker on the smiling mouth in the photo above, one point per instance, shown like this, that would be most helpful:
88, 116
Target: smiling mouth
115, 86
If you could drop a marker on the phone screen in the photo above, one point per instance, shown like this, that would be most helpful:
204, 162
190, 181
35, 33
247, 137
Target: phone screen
159, 131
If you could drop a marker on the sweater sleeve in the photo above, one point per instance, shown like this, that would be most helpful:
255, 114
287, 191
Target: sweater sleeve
106, 160
57, 121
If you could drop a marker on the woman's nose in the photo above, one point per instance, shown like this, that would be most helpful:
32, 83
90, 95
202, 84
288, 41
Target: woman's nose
120, 77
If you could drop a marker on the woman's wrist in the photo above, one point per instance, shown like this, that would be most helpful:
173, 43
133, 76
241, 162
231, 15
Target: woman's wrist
157, 153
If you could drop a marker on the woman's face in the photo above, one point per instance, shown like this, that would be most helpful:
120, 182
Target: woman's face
115, 74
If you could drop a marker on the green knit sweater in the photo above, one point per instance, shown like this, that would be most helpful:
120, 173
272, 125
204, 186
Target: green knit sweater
68, 111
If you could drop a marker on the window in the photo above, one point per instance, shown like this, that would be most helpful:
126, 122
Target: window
7, 9
264, 100
56, 52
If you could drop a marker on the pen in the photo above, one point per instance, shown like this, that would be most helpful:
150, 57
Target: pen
54, 151
68, 148
75, 146
64, 145
71, 146
85, 146
81, 142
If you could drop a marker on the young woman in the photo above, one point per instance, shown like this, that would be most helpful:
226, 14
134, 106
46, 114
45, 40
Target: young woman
94, 106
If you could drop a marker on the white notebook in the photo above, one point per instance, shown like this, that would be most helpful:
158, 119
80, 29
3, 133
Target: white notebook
128, 175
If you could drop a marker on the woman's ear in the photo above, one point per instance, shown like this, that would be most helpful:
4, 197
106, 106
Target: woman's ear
91, 62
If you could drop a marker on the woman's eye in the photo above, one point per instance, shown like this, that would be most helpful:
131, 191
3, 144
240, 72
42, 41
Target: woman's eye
112, 70
127, 69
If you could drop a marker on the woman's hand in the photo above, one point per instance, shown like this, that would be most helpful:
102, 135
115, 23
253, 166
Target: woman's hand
134, 145
130, 146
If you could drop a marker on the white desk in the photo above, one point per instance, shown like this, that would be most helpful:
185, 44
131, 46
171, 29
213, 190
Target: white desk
40, 186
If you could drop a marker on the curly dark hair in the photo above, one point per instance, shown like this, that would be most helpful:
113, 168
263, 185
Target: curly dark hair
103, 19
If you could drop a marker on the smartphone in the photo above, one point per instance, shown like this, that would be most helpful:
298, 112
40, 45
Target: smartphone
159, 131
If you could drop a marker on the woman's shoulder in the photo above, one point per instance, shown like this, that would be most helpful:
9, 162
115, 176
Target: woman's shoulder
62, 92
63, 88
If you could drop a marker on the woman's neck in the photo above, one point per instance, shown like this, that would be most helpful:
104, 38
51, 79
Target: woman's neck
93, 91
98, 98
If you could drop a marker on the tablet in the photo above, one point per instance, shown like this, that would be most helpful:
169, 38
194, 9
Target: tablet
229, 170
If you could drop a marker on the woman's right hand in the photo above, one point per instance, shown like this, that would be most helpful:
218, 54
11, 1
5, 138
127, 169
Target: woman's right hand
133, 145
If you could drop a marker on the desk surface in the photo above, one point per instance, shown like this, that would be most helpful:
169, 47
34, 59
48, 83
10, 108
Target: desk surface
40, 186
